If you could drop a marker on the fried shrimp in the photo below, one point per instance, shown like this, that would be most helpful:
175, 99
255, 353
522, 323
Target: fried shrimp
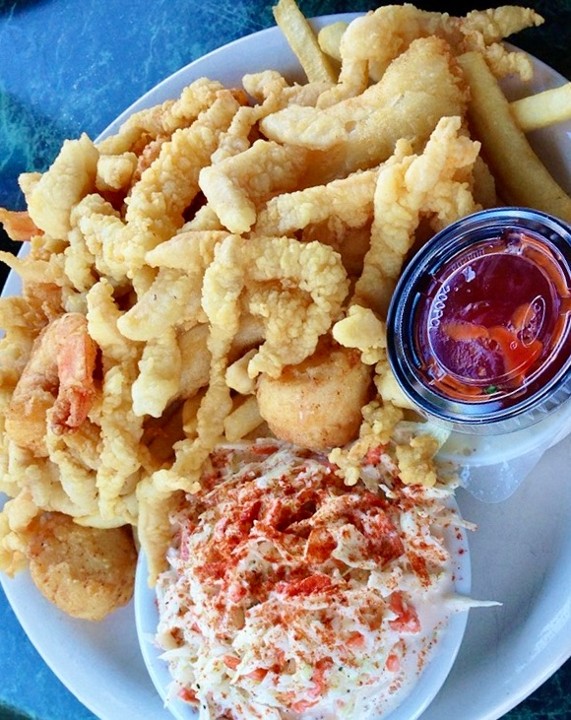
86, 572
19, 226
56, 384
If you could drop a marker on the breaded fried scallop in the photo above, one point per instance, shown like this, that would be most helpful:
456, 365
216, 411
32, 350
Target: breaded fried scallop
86, 572
317, 403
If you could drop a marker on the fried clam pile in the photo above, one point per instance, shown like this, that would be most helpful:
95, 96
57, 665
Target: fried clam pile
220, 270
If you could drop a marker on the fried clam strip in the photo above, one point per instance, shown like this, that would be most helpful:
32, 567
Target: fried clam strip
437, 184
116, 173
157, 202
122, 455
173, 299
77, 457
483, 32
38, 268
79, 262
370, 43
21, 325
350, 199
40, 477
16, 515
125, 155
98, 242
223, 285
156, 506
271, 92
51, 195
420, 86
102, 317
158, 381
160, 121
312, 285
270, 85
361, 329
236, 186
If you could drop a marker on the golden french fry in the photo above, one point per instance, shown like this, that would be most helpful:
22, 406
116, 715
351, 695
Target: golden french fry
521, 176
543, 109
303, 42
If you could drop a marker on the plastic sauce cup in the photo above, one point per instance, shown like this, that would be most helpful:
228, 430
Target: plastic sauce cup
479, 329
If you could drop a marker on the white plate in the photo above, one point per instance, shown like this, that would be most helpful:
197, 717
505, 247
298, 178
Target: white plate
520, 554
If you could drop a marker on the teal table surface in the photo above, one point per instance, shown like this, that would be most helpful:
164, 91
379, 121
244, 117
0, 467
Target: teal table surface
68, 67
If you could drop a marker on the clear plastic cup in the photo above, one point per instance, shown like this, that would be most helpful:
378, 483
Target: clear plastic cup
479, 339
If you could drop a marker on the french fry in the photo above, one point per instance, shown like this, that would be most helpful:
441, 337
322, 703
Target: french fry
242, 420
521, 176
543, 109
303, 42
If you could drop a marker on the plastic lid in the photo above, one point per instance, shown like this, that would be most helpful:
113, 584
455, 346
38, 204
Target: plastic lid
479, 328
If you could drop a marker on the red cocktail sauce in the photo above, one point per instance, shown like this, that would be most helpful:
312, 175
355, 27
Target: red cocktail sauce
492, 322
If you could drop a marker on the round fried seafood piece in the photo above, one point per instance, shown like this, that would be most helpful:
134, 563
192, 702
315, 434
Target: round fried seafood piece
86, 572
317, 403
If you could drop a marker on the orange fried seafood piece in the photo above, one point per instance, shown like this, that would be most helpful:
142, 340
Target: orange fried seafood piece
19, 226
56, 384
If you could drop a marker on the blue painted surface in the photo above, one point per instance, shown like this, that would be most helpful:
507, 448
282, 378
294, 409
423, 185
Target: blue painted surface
28, 687
68, 66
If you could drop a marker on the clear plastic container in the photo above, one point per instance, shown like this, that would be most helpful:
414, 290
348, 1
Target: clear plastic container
479, 336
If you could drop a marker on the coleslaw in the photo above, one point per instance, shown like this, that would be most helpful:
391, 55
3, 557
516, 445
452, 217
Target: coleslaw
292, 595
